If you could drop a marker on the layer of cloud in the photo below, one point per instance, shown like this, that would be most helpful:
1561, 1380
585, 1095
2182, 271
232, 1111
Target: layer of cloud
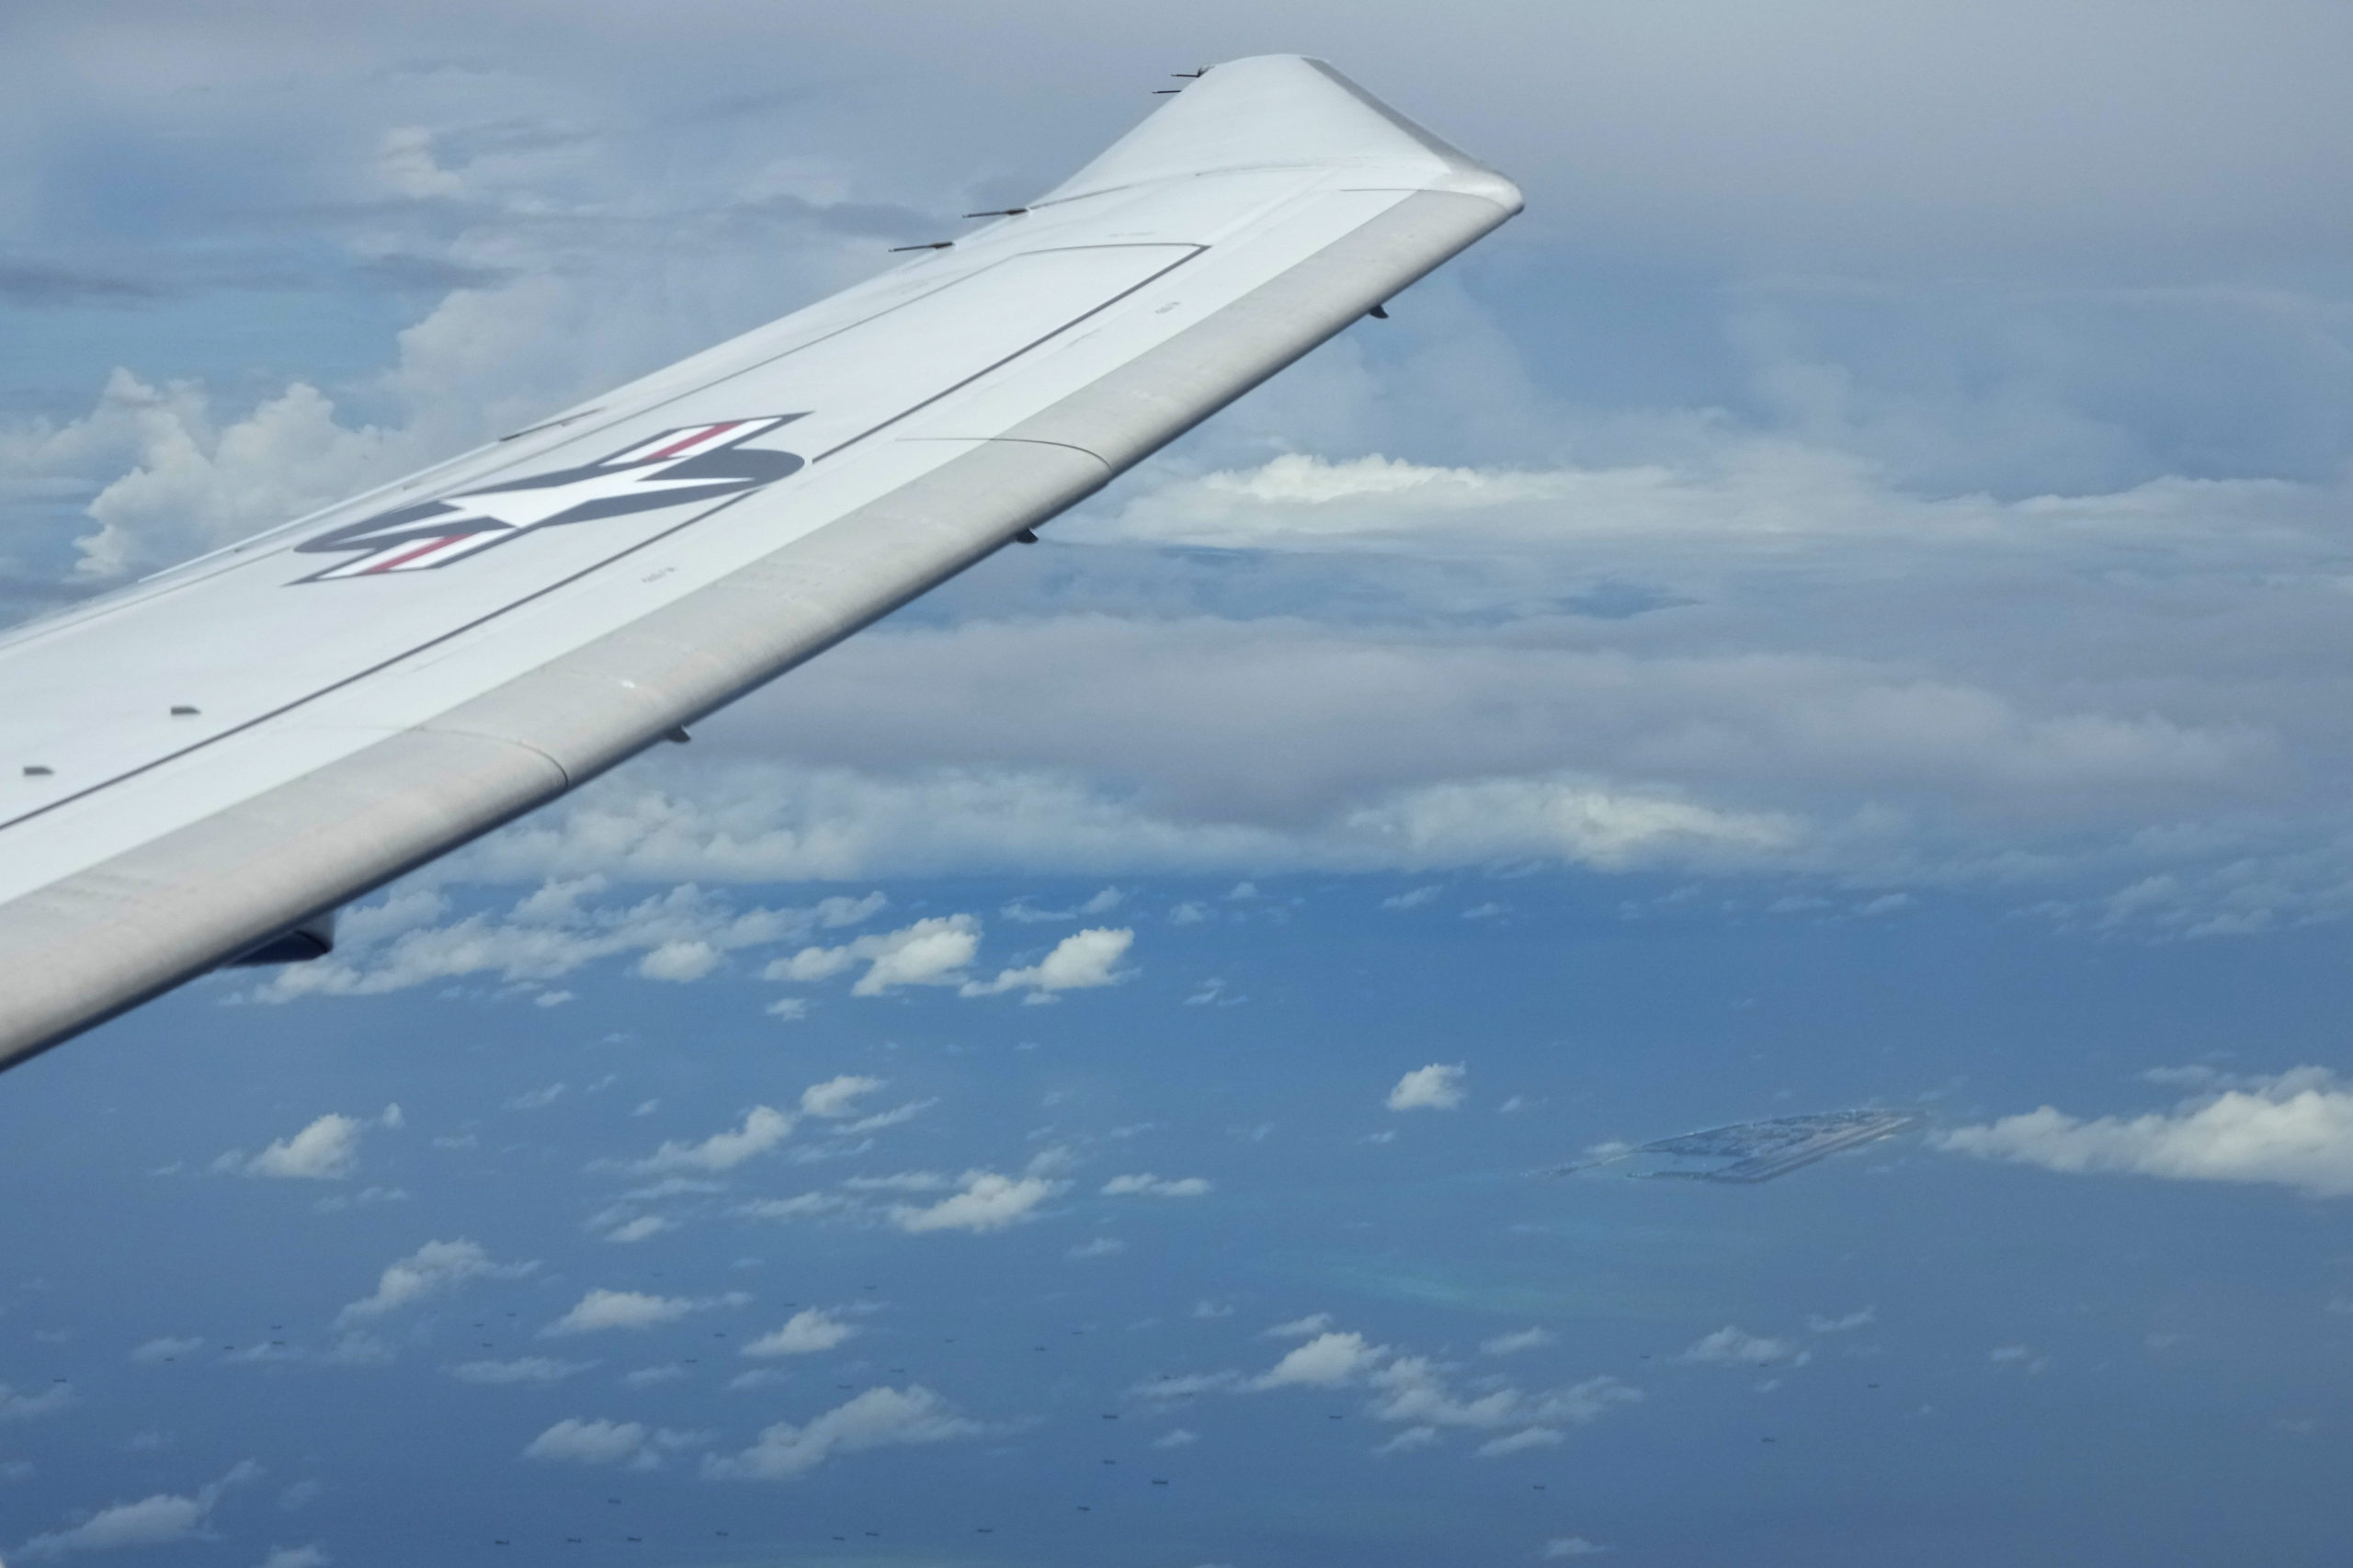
681, 935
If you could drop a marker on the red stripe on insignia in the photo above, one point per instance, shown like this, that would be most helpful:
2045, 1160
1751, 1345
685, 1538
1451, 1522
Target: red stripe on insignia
697, 438
427, 548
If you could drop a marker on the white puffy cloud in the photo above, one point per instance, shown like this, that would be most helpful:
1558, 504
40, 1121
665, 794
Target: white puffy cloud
157, 1521
1435, 1087
763, 1128
1512, 1344
1145, 1184
881, 1417
933, 952
523, 1371
806, 1333
574, 1441
1733, 1346
1327, 1360
2294, 1130
326, 1150
1079, 961
1563, 1546
433, 1269
836, 1097
602, 1310
985, 1201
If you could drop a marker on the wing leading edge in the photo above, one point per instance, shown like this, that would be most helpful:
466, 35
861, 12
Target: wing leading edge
228, 752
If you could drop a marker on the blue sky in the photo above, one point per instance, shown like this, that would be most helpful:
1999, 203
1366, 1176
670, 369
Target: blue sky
1841, 604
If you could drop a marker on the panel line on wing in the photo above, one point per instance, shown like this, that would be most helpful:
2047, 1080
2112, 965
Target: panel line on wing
378, 668
1192, 253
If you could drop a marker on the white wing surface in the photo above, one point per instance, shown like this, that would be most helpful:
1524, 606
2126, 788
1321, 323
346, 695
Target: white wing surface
201, 764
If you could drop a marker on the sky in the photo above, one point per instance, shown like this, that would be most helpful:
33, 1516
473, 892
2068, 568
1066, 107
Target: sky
1840, 603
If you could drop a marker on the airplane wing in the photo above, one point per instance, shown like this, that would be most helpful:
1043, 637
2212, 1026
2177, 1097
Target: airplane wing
203, 766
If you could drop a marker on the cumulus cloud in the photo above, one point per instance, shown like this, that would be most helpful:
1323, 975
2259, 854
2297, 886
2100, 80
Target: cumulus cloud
602, 1310
1327, 1360
985, 1201
1435, 1087
575, 1441
806, 1333
433, 1269
1512, 1344
763, 1128
326, 1150
881, 1417
1150, 1185
935, 951
836, 1097
157, 1521
1079, 961
2294, 1130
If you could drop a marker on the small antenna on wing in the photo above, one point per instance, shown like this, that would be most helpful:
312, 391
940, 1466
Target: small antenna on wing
999, 212
936, 244
1191, 75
